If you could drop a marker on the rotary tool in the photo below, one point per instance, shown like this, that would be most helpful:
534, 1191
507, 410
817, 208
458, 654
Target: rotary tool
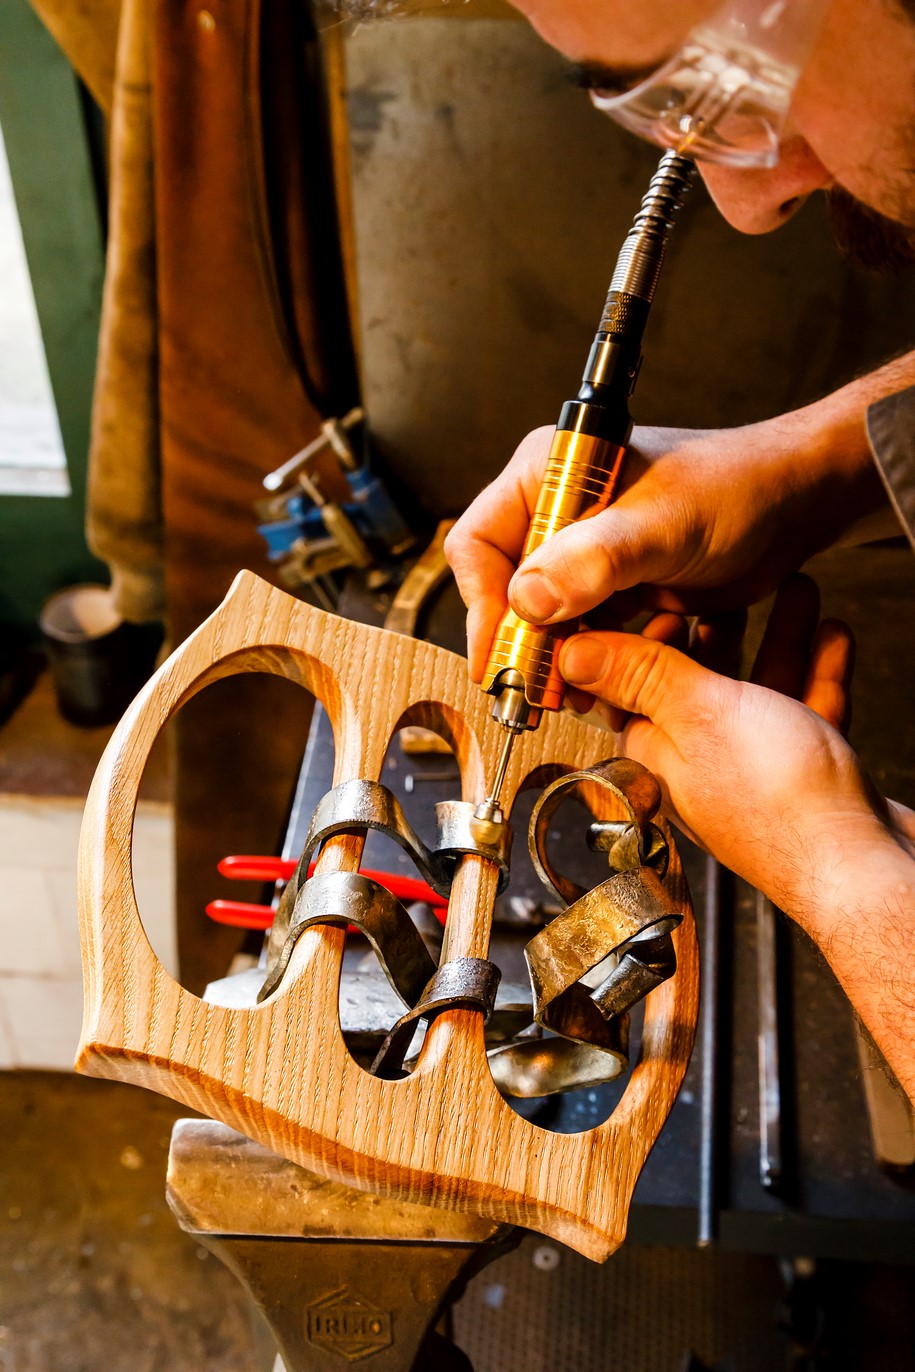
584, 463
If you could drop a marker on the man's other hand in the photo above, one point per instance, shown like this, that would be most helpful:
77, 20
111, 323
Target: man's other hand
762, 780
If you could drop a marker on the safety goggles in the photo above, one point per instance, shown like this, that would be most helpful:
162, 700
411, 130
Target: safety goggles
725, 95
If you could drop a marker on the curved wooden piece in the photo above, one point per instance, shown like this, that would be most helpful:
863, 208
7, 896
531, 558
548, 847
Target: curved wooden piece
280, 1072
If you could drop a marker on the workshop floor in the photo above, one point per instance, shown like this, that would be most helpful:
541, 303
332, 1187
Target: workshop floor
97, 1277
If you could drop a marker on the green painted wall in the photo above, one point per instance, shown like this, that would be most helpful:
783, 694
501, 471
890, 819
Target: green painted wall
42, 544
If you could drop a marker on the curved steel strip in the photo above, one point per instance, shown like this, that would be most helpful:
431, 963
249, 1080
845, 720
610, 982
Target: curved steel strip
348, 898
609, 919
630, 915
363, 805
360, 804
648, 959
626, 846
469, 983
531, 1067
631, 784
461, 833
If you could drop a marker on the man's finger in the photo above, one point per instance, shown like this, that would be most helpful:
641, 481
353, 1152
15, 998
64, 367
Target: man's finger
580, 566
668, 628
832, 664
661, 628
485, 544
903, 819
486, 609
636, 674
500, 516
715, 642
781, 663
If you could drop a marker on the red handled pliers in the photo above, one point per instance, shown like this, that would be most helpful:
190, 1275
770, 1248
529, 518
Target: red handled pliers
243, 915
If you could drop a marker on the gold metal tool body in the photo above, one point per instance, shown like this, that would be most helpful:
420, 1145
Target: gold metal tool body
585, 459
580, 480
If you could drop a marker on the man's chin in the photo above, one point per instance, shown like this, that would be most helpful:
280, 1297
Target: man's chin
869, 238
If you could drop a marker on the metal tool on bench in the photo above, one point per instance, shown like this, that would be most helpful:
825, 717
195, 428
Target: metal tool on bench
714, 1045
771, 1169
310, 534
339, 1275
890, 1113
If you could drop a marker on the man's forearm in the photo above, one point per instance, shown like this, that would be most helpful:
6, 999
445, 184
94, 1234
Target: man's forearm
843, 411
864, 922
840, 419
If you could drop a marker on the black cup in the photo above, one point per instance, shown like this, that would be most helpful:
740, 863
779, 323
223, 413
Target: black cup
98, 661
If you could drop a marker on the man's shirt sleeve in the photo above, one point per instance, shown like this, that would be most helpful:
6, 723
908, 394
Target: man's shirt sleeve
891, 433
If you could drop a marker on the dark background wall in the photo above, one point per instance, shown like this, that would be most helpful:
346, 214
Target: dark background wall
490, 202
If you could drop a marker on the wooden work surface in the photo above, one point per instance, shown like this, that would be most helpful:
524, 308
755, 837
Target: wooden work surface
41, 754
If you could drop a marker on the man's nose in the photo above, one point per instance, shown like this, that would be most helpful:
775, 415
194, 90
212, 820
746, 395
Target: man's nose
758, 200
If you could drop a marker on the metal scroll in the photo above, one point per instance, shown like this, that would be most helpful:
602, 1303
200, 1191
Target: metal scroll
571, 1033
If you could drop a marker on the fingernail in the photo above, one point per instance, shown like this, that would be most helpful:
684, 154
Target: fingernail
582, 661
534, 597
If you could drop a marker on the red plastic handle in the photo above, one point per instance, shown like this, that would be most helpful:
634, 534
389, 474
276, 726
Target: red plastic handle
240, 914
244, 915
255, 868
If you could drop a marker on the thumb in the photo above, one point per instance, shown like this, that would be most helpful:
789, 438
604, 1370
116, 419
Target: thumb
639, 675
581, 565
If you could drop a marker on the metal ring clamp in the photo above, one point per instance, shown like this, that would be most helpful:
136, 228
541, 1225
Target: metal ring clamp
630, 914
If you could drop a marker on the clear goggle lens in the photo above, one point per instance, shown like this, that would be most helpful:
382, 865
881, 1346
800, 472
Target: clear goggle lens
716, 100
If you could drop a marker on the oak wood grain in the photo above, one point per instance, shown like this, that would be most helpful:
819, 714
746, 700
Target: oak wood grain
280, 1072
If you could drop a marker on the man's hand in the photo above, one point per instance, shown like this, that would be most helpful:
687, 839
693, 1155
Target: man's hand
760, 780
769, 786
704, 520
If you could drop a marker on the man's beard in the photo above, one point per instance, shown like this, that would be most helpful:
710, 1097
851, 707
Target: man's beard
869, 238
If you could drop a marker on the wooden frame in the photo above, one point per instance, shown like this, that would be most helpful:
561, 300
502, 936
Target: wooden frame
281, 1072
